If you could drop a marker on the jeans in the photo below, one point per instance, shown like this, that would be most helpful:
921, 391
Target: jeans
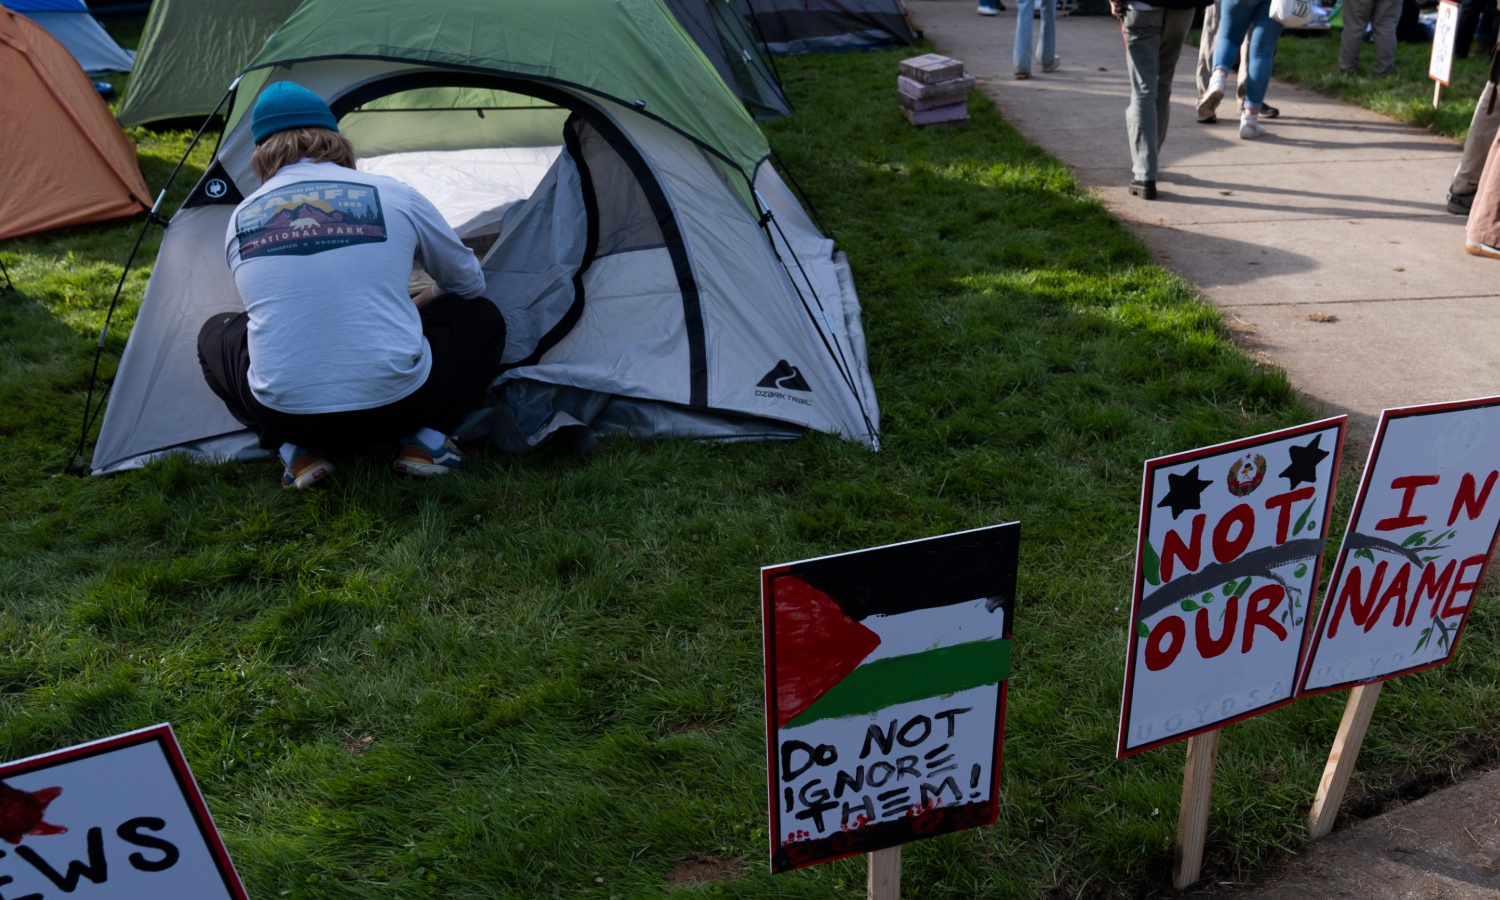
1153, 42
1238, 16
1206, 40
1047, 53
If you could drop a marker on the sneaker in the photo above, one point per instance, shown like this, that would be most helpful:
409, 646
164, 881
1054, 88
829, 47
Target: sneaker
1267, 111
988, 11
1054, 65
417, 459
1209, 102
1460, 204
1250, 127
1474, 248
1146, 190
1022, 74
307, 468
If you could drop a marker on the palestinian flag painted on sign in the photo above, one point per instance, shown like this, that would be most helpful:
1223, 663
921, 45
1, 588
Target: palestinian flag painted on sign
885, 692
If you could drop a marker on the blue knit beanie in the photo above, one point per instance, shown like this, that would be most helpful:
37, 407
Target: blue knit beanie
286, 105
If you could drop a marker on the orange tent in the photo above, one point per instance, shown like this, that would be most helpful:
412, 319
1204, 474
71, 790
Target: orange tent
63, 158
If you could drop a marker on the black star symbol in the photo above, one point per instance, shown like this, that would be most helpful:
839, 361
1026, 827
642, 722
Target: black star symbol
1183, 492
1304, 466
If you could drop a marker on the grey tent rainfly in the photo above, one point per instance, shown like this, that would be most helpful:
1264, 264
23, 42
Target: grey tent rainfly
656, 275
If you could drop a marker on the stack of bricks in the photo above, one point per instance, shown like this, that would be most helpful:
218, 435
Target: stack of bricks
933, 90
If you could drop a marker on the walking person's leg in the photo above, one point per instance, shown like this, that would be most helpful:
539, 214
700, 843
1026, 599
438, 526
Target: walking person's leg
1482, 130
1206, 39
1234, 22
1047, 50
1262, 52
1175, 25
1142, 29
1021, 52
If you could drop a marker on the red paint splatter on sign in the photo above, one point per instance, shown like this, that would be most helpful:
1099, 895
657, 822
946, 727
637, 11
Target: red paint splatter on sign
21, 813
817, 646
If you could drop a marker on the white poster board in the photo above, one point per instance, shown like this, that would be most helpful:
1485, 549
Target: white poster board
1444, 32
885, 693
1231, 543
115, 819
1415, 549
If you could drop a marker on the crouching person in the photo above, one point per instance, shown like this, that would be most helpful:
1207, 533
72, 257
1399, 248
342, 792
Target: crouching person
332, 352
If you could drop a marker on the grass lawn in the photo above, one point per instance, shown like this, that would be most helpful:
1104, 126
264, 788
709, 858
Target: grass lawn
1406, 96
542, 676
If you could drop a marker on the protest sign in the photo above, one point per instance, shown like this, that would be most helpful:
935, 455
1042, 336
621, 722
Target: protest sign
1415, 549
1444, 32
1231, 543
885, 692
116, 819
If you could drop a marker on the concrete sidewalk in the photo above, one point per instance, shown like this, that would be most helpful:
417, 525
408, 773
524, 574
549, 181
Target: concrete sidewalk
1326, 243
1328, 248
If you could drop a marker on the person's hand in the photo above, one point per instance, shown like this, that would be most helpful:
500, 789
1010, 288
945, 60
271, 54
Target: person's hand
421, 299
1117, 8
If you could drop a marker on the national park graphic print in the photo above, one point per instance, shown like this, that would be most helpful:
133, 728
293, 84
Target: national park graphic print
310, 217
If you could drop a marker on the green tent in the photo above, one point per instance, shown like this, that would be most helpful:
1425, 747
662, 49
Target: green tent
656, 276
191, 50
189, 53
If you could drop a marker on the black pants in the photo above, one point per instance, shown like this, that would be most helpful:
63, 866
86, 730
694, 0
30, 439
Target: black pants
467, 338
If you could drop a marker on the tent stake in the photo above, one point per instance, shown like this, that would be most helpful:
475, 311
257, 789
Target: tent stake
1341, 756
884, 882
1192, 820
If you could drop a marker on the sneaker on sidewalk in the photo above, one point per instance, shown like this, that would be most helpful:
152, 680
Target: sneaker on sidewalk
1250, 127
1474, 248
307, 468
417, 459
1208, 104
1460, 204
988, 10
1054, 65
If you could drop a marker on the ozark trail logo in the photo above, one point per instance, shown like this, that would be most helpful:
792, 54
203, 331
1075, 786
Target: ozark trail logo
216, 188
785, 377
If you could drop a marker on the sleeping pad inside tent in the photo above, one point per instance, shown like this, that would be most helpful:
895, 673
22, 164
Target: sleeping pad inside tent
656, 276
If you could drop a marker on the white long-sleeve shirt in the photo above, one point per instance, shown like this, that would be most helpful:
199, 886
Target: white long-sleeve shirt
322, 256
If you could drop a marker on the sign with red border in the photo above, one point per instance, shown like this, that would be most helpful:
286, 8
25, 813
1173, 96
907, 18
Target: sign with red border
1230, 547
1416, 547
885, 693
119, 818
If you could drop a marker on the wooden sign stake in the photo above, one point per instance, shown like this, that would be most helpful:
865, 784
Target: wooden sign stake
1357, 714
884, 882
1192, 821
1437, 93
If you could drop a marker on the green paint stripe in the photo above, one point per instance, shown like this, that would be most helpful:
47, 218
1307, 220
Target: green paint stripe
901, 679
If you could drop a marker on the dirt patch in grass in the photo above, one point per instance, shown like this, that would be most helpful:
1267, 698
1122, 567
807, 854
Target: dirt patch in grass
701, 868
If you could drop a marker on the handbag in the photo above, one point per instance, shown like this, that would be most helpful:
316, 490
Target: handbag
1292, 13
